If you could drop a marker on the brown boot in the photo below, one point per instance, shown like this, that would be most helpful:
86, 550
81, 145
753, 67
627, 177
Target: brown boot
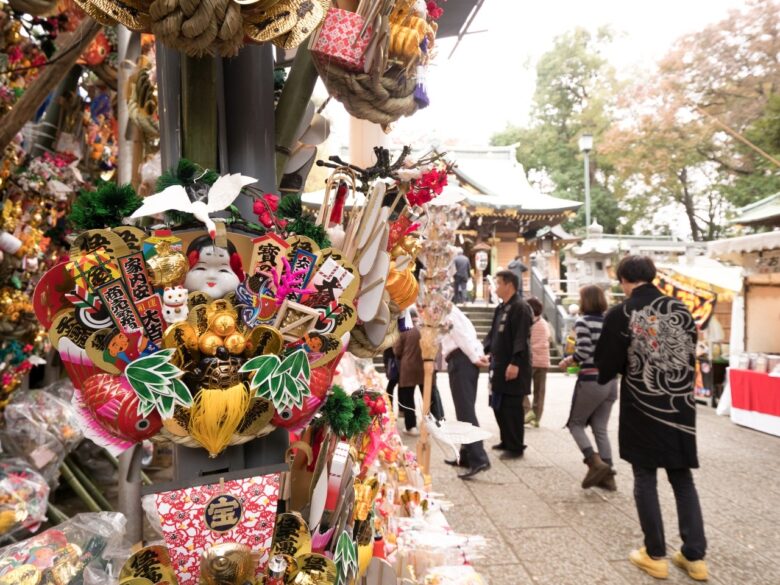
608, 483
597, 471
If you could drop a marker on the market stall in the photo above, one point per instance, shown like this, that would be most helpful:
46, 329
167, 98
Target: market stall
707, 287
754, 375
150, 258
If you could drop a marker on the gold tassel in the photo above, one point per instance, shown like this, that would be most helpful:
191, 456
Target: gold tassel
216, 415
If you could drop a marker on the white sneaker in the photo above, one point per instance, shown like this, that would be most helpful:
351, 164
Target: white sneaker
414, 432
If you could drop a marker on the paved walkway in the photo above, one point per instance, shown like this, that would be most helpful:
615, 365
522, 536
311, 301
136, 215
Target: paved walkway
544, 529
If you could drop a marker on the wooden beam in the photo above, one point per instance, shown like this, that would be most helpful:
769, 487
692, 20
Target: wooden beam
50, 76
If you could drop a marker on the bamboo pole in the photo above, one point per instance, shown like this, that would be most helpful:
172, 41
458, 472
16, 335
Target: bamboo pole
145, 480
738, 136
81, 492
199, 110
428, 334
292, 104
93, 491
50, 76
55, 515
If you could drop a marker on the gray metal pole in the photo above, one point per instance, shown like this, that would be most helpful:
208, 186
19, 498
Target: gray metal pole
587, 189
129, 49
249, 118
129, 481
169, 104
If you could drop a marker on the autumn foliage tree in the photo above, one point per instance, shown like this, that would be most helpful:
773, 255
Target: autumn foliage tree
673, 144
671, 151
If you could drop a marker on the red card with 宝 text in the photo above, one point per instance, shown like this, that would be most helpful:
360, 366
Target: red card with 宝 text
193, 519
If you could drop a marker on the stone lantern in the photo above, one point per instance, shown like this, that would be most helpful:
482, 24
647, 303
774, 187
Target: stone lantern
589, 262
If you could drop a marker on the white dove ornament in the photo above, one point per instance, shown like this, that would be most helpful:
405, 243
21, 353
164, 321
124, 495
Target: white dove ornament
221, 194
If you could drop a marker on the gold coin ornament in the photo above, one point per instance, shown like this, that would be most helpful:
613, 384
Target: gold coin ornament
209, 342
151, 564
223, 324
235, 343
24, 575
228, 563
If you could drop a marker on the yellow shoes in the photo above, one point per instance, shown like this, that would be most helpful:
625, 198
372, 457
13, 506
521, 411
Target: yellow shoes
697, 570
658, 568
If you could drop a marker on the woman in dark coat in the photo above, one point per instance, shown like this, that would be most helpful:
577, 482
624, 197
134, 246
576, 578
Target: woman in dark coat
650, 339
411, 373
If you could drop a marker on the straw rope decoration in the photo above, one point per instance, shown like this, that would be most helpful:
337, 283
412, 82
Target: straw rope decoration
199, 27
385, 90
210, 27
379, 99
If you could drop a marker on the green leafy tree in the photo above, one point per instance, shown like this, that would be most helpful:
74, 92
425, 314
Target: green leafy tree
575, 86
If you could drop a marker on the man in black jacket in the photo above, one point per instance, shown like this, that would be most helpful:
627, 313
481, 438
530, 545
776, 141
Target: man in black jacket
509, 345
650, 339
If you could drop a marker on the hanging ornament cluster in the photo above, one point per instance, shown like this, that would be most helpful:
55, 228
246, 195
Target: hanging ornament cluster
374, 59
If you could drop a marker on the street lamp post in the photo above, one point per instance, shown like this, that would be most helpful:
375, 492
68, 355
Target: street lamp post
586, 145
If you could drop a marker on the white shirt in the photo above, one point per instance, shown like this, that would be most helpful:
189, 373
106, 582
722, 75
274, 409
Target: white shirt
461, 336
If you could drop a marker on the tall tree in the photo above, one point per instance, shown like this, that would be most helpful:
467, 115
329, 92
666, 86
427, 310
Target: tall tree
574, 88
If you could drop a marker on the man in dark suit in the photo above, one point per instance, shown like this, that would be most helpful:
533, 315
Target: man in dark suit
509, 345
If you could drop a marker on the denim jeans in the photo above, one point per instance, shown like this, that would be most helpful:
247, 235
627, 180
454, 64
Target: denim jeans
688, 512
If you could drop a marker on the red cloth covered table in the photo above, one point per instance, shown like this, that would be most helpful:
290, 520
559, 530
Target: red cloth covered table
755, 391
755, 400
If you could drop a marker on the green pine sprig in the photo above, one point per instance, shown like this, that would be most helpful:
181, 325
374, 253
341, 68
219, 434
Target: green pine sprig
105, 207
346, 415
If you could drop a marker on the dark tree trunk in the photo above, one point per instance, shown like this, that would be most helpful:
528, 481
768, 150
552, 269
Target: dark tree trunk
687, 201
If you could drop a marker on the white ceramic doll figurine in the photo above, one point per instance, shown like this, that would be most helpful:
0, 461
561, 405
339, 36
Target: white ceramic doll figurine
213, 270
175, 308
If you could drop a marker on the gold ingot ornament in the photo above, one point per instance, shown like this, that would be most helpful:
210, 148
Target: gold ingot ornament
168, 267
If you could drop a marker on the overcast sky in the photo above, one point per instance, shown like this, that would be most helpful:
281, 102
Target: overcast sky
490, 79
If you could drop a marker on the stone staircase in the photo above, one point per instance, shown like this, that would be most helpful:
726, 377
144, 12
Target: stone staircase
482, 316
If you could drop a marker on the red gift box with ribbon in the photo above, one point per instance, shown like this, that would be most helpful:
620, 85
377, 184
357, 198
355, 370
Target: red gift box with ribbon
339, 40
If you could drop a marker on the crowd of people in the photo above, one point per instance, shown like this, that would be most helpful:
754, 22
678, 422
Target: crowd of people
647, 341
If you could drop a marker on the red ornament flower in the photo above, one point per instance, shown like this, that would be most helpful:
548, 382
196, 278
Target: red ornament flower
434, 10
265, 208
427, 187
376, 406
15, 55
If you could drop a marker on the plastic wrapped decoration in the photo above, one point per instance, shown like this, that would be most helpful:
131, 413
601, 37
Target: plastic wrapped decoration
24, 496
61, 555
444, 217
42, 429
424, 546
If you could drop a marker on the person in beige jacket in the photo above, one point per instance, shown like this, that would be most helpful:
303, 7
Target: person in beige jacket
540, 363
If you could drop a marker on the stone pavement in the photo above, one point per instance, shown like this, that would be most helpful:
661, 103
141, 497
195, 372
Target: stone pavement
544, 529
